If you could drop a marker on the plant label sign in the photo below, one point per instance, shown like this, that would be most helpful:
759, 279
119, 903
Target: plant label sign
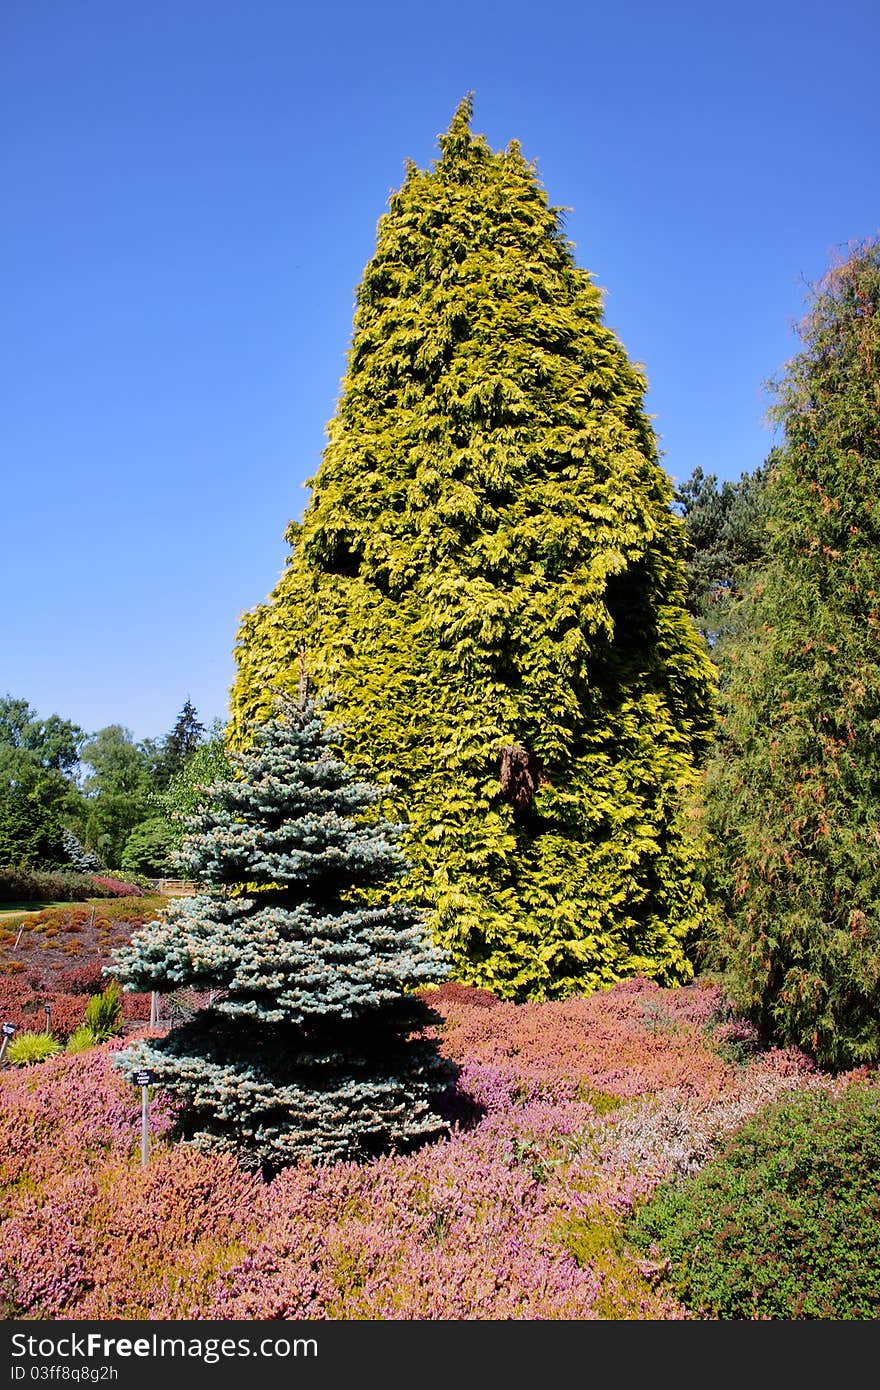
143, 1078
8, 1030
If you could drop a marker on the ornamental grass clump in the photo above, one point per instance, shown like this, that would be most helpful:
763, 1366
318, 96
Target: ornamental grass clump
306, 1047
81, 1039
29, 1048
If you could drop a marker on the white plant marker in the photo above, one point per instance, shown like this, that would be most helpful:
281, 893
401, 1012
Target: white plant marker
8, 1031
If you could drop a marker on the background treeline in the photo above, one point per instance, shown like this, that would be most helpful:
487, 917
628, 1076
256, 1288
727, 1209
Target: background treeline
82, 803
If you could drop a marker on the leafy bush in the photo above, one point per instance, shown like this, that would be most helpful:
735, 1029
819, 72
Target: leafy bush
28, 1048
81, 1039
20, 884
104, 1012
784, 1221
149, 848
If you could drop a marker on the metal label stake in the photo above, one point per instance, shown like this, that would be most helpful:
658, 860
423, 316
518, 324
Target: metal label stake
144, 1079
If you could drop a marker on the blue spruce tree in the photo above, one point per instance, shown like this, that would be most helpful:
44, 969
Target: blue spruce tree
310, 1046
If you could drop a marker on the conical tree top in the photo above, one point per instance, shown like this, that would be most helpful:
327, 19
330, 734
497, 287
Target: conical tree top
458, 139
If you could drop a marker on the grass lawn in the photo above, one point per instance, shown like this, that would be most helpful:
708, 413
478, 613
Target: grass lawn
21, 909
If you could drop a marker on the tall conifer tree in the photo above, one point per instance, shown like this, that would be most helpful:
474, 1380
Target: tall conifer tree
795, 786
490, 580
306, 1049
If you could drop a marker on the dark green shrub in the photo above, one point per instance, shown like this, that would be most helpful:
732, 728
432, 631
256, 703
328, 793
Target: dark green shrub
149, 848
785, 1221
19, 884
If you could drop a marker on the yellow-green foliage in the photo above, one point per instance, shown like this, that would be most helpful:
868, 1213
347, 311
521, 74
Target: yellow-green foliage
81, 1039
489, 561
29, 1048
104, 1012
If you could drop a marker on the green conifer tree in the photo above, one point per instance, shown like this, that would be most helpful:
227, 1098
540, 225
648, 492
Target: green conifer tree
795, 786
490, 580
306, 1049
179, 745
725, 531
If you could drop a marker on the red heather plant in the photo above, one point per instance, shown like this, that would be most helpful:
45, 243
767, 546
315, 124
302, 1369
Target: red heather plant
627, 1040
22, 1002
69, 1113
675, 1132
459, 1229
84, 979
138, 1242
117, 888
112, 913
24, 1007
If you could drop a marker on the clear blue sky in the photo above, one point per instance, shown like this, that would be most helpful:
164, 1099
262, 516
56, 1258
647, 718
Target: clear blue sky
191, 190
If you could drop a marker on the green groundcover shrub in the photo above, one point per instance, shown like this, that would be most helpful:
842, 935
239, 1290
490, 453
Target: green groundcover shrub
784, 1222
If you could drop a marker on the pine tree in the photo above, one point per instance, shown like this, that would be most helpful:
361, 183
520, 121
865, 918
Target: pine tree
179, 745
306, 1049
726, 541
77, 856
795, 787
490, 580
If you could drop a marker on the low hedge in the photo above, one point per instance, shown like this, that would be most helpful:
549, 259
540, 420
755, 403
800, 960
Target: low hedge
22, 885
784, 1222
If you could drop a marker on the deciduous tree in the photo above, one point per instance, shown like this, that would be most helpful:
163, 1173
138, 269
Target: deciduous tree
39, 799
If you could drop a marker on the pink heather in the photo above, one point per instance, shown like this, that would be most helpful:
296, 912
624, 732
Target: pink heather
577, 1110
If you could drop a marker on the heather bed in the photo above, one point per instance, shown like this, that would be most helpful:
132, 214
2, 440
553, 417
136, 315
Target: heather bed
566, 1115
